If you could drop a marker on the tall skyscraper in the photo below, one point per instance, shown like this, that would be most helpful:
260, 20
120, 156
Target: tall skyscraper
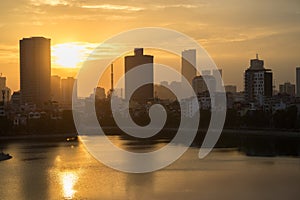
298, 81
188, 64
145, 92
35, 70
258, 82
67, 86
55, 88
219, 84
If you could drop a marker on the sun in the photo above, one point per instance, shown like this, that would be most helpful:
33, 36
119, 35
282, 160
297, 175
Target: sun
68, 55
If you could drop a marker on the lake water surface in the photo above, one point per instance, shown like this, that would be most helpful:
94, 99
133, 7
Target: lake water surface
65, 170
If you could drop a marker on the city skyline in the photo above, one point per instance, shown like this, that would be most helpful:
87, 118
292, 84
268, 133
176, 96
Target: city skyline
37, 89
276, 87
238, 81
271, 31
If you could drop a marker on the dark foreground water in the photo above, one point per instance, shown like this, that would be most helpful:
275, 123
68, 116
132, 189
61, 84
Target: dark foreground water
65, 170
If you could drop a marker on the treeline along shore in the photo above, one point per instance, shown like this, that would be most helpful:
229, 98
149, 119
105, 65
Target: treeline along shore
259, 142
253, 140
262, 142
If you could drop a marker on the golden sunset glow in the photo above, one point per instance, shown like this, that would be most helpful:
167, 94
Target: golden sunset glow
68, 55
68, 181
230, 31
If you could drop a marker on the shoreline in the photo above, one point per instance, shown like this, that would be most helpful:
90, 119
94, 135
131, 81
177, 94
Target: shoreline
35, 136
112, 131
251, 142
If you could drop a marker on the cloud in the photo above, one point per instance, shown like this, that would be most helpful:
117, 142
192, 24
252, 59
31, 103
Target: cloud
113, 7
119, 18
9, 53
177, 6
48, 2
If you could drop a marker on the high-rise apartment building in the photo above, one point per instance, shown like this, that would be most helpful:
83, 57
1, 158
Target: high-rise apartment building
5, 92
146, 92
258, 82
298, 81
230, 88
56, 88
35, 70
100, 93
2, 82
67, 86
287, 88
217, 73
188, 64
200, 84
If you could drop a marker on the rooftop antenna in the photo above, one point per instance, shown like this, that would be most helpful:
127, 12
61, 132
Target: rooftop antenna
112, 77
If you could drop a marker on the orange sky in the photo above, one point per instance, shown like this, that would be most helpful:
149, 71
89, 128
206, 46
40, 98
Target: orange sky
232, 31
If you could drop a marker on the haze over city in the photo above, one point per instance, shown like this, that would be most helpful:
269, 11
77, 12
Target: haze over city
231, 31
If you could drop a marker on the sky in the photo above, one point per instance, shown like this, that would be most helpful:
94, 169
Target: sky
231, 31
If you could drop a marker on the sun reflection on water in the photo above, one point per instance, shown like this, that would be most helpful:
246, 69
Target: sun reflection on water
68, 181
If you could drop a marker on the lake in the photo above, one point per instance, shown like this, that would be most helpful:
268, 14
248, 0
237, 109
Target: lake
65, 170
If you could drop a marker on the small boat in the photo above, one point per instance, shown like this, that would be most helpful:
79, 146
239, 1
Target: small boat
71, 139
4, 156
